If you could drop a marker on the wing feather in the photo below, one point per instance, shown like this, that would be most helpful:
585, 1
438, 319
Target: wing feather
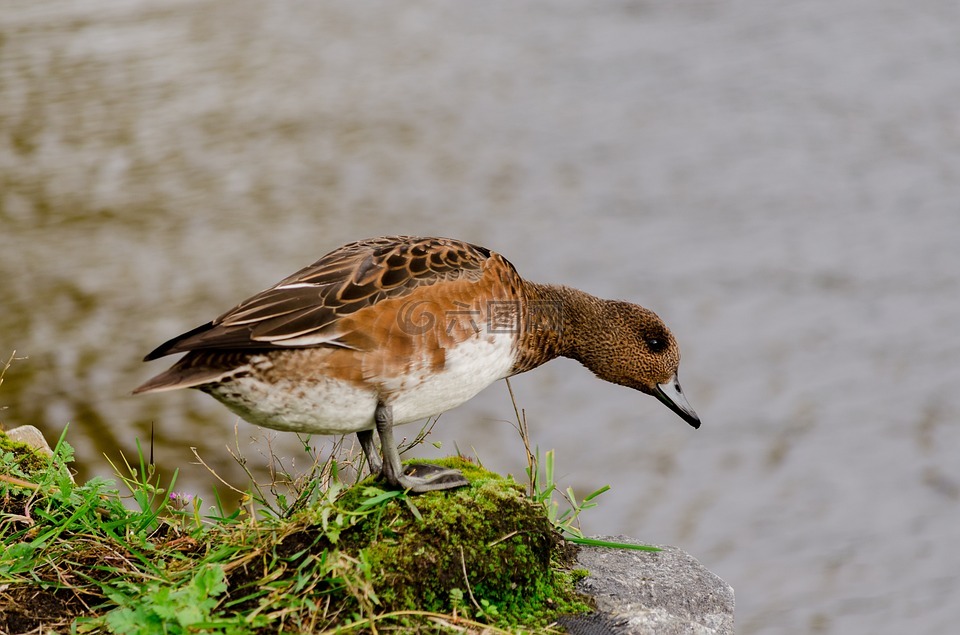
304, 309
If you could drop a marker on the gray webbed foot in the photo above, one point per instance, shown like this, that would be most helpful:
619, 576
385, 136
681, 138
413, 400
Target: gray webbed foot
423, 477
417, 478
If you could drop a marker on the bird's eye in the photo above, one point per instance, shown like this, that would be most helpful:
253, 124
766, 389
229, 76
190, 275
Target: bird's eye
656, 344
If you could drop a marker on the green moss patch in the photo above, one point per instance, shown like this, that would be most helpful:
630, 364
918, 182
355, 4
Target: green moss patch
485, 551
21, 459
485, 545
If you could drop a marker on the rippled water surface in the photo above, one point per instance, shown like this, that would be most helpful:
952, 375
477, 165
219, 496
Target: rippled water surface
780, 183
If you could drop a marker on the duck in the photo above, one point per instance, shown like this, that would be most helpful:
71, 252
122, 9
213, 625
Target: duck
387, 331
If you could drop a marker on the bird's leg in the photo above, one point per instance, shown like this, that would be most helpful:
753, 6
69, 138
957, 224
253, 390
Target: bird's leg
435, 477
370, 451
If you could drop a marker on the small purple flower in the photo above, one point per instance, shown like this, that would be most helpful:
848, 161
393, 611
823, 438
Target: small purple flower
180, 499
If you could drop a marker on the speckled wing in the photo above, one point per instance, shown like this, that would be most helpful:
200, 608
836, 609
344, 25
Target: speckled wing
306, 308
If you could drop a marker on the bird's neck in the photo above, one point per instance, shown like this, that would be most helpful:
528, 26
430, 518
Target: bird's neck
551, 324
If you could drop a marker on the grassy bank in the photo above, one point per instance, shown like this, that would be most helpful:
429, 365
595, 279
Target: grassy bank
139, 557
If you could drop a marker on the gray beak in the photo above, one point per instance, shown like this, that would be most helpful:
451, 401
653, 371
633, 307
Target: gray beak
671, 395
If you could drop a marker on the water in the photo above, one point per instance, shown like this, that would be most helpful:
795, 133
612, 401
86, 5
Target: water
778, 182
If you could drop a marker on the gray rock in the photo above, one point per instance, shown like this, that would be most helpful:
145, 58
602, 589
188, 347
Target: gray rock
642, 593
32, 437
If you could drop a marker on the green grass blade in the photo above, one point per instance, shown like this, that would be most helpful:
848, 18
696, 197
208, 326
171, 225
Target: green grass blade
612, 545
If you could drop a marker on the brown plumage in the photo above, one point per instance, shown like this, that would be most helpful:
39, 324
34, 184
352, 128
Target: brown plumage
391, 330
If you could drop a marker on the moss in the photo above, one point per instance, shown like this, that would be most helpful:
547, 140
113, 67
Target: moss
484, 551
484, 545
25, 458
579, 574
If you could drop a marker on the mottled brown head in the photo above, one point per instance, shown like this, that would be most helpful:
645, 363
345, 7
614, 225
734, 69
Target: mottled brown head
629, 345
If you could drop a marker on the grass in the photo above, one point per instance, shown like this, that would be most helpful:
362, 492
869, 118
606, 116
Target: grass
306, 554
91, 559
310, 554
348, 559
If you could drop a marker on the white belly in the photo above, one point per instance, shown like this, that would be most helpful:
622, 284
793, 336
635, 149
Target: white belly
470, 367
331, 406
326, 407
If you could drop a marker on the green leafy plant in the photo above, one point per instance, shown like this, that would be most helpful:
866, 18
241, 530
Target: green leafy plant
157, 607
544, 487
